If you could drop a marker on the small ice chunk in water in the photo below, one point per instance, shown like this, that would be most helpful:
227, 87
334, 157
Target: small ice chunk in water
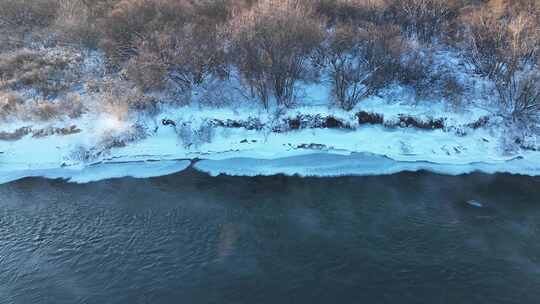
475, 203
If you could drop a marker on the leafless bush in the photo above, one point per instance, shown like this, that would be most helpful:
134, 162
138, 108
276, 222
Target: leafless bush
503, 44
109, 140
424, 19
520, 95
76, 22
497, 42
42, 110
121, 99
10, 104
351, 11
46, 110
416, 70
72, 105
165, 40
362, 61
131, 21
195, 136
127, 21
218, 11
188, 55
272, 44
219, 93
452, 90
147, 71
46, 72
350, 72
13, 106
27, 13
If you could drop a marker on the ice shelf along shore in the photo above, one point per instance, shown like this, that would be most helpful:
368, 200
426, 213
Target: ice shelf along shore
375, 138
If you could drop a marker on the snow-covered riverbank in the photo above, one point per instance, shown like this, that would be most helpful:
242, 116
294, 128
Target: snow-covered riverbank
378, 137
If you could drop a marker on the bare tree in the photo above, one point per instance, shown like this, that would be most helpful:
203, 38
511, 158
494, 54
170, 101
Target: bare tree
27, 13
503, 45
129, 22
497, 43
362, 61
520, 94
424, 19
351, 11
272, 44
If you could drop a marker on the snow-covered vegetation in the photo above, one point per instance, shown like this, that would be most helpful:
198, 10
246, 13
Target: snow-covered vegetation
432, 80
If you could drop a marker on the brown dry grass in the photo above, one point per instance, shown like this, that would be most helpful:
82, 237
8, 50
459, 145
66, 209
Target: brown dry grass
29, 69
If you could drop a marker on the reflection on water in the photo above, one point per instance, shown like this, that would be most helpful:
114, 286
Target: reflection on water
190, 238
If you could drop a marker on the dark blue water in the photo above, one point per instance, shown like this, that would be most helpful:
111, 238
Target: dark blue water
191, 238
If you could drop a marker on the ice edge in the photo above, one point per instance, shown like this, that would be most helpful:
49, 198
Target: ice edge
308, 165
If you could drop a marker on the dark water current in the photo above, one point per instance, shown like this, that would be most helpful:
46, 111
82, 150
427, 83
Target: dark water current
191, 238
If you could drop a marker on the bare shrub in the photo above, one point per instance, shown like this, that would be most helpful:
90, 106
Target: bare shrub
10, 103
35, 110
362, 61
219, 93
424, 19
12, 106
42, 110
132, 21
76, 21
27, 13
109, 140
520, 95
497, 43
46, 72
127, 21
452, 90
416, 70
351, 11
46, 110
195, 135
121, 98
72, 105
419, 71
189, 55
272, 45
147, 71
503, 44
167, 40
217, 11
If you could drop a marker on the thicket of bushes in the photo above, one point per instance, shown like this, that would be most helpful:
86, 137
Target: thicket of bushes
273, 45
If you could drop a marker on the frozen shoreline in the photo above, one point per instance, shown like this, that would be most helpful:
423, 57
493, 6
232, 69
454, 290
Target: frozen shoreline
325, 152
306, 165
309, 140
358, 164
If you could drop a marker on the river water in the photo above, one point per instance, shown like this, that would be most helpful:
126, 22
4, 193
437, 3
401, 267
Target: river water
192, 238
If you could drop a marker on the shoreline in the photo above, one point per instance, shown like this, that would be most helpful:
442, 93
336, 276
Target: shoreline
308, 141
325, 165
